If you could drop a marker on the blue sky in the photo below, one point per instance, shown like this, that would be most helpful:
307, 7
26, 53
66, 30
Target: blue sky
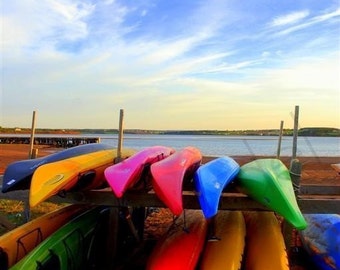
170, 64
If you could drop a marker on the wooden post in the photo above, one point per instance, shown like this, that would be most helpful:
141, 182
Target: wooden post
295, 165
287, 229
295, 174
295, 132
34, 153
279, 142
4, 222
112, 238
120, 135
32, 136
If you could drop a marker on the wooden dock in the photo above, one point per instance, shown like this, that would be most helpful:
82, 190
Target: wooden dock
53, 140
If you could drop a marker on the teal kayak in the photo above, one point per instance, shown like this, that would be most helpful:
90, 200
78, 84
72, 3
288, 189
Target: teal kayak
268, 182
76, 245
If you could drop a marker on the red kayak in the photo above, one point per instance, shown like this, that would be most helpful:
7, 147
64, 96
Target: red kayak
168, 176
123, 175
181, 247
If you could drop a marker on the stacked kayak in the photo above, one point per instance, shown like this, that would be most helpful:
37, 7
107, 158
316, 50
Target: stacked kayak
265, 247
72, 246
15, 244
18, 174
225, 244
82, 172
210, 180
268, 182
321, 240
181, 246
126, 174
169, 174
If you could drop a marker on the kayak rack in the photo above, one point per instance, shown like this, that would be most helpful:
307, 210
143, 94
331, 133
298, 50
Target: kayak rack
315, 199
311, 199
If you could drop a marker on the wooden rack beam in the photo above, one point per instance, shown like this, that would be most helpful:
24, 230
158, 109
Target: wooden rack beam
326, 199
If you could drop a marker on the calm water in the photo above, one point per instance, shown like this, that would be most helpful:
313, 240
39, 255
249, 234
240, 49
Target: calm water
224, 145
233, 145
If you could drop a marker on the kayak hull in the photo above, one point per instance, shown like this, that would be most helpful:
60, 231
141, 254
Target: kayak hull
268, 181
210, 180
179, 249
15, 244
321, 240
126, 174
225, 246
168, 176
265, 246
18, 175
72, 246
83, 172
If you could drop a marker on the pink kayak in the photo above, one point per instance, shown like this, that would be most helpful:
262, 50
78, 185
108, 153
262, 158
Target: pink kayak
124, 175
168, 176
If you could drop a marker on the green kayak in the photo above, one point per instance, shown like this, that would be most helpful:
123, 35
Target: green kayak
268, 182
76, 245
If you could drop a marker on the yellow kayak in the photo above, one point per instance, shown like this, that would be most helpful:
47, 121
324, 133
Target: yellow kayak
15, 244
82, 172
265, 246
224, 250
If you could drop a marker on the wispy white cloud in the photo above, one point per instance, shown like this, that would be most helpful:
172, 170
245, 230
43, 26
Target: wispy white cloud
334, 15
290, 18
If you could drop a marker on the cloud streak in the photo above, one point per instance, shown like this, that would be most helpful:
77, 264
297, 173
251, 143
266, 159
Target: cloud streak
289, 18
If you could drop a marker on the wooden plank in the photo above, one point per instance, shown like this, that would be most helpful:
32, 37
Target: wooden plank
228, 201
309, 203
304, 190
319, 190
319, 204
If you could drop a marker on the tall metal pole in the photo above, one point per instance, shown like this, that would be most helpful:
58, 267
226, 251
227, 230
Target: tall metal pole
279, 142
30, 154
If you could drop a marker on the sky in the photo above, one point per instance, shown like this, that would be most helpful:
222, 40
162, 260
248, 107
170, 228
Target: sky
170, 65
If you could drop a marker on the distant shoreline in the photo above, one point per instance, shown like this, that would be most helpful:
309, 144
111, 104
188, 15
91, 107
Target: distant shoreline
310, 131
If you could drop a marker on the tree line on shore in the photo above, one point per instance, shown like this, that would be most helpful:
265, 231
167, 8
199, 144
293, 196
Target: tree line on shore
308, 131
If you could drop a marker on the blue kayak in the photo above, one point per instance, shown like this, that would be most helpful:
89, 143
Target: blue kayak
210, 180
321, 240
18, 174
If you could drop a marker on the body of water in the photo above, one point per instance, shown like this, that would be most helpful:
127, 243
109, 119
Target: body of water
211, 145
233, 145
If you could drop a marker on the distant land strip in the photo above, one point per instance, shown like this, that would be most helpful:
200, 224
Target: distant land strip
308, 131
